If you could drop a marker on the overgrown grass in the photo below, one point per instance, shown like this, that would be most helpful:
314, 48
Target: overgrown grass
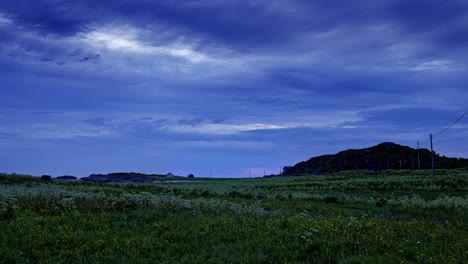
348, 217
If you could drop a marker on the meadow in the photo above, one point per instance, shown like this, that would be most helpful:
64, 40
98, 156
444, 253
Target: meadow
348, 217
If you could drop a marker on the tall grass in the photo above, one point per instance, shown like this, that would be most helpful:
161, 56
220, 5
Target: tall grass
348, 217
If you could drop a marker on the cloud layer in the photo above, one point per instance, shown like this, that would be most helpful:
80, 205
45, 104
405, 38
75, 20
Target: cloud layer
209, 86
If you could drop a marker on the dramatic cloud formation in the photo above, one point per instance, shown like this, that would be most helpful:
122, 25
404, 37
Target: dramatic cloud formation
225, 87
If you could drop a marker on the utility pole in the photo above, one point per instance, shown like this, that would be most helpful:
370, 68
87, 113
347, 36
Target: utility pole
419, 160
400, 164
432, 158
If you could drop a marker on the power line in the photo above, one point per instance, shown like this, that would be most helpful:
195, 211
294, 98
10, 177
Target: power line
427, 140
431, 136
445, 129
456, 121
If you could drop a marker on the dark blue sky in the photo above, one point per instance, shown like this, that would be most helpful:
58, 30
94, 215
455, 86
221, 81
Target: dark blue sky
225, 86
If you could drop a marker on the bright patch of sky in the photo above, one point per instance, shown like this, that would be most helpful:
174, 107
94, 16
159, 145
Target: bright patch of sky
126, 40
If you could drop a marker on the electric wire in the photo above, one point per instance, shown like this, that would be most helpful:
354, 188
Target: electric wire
447, 128
456, 121
427, 140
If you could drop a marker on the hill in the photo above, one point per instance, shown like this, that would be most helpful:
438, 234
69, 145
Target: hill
385, 156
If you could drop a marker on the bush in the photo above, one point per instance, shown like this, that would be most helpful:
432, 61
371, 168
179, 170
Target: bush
331, 199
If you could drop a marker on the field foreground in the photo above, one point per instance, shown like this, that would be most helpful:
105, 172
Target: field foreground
350, 217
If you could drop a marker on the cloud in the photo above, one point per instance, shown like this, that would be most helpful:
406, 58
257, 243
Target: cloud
190, 122
203, 80
4, 20
197, 32
63, 18
90, 57
101, 121
437, 65
126, 39
435, 19
222, 129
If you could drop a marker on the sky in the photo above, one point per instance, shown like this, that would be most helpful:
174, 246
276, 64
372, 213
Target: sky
232, 88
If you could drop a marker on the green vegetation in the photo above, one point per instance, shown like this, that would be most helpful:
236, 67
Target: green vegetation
349, 217
383, 156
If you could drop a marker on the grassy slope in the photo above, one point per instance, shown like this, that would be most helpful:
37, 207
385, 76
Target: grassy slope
349, 217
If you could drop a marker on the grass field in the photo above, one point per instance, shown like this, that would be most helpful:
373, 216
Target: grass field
350, 217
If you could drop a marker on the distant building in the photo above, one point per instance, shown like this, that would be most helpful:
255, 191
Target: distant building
169, 175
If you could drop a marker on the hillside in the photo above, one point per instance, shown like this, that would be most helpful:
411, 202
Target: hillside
128, 177
384, 156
